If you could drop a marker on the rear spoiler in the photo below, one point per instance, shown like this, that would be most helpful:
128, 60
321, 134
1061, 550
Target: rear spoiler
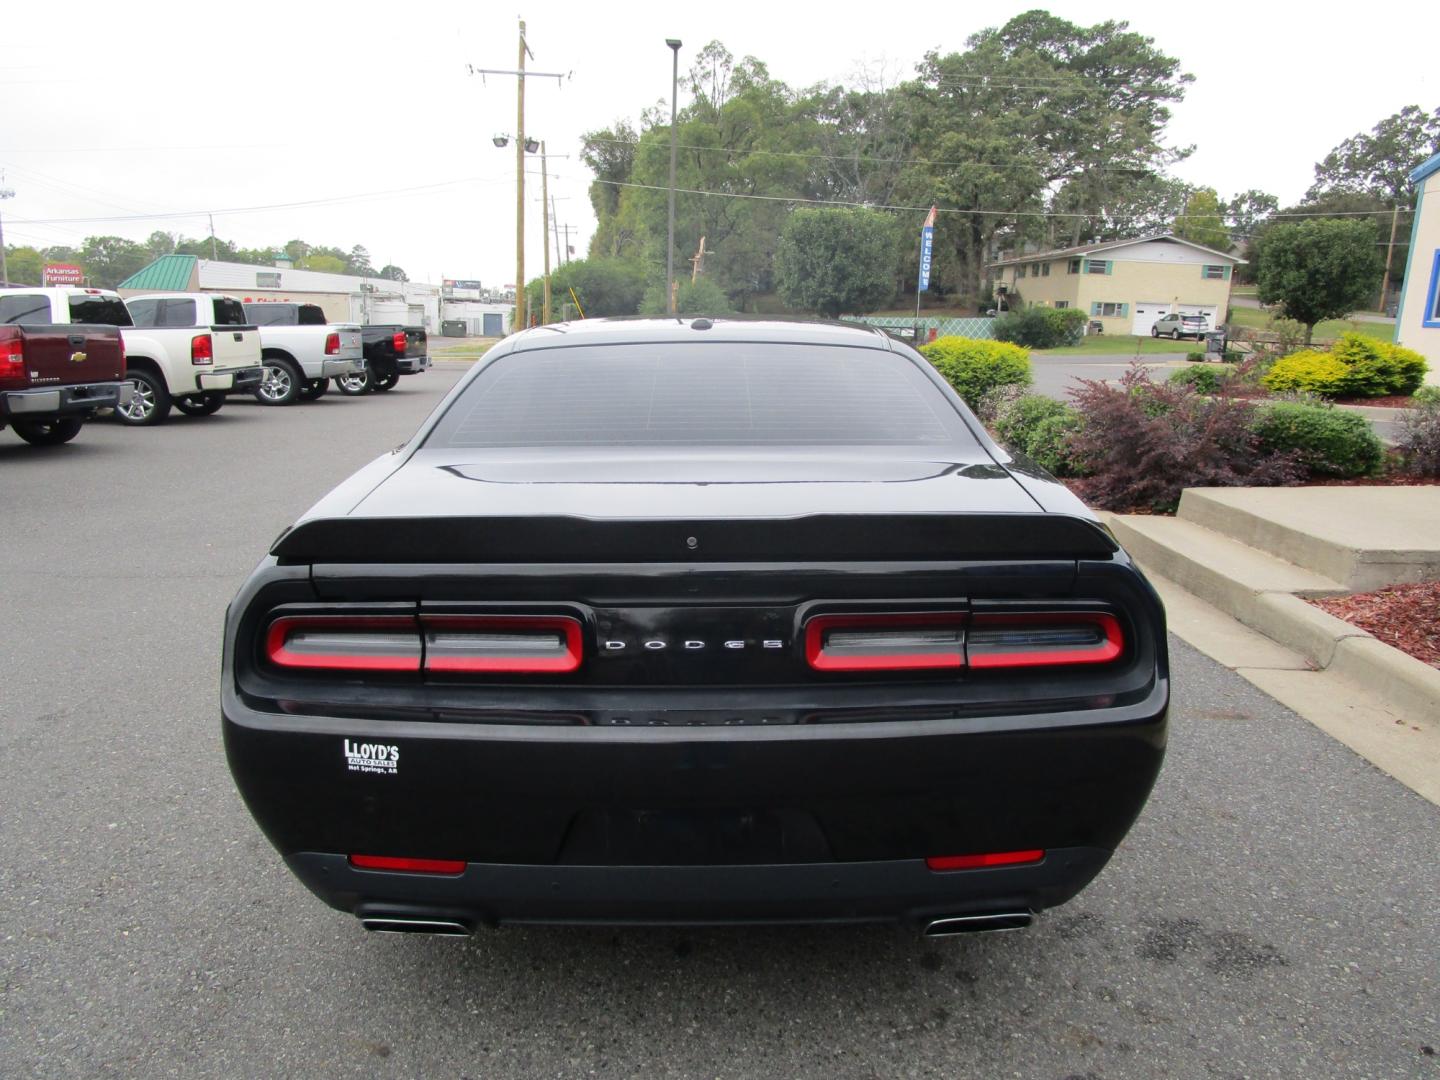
819, 538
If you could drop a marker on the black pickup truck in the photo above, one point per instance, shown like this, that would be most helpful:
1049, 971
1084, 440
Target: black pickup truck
390, 351
708, 621
54, 376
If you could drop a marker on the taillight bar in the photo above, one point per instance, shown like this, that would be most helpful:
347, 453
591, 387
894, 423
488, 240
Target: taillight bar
521, 644
202, 349
398, 341
486, 644
901, 642
332, 344
12, 364
990, 859
1043, 639
935, 641
344, 642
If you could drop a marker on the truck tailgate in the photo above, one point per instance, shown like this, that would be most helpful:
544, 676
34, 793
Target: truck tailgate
66, 354
236, 346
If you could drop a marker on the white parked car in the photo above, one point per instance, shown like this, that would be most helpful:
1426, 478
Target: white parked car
302, 351
187, 350
1179, 326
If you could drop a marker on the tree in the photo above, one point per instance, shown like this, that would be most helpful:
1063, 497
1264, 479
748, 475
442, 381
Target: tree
391, 272
699, 297
1201, 222
358, 262
325, 264
605, 286
1247, 211
835, 261
24, 265
1322, 269
109, 260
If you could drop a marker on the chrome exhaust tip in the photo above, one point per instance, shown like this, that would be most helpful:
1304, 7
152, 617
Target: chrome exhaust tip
979, 924
404, 924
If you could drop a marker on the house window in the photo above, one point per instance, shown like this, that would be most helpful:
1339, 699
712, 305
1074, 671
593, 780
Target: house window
1044, 269
1019, 271
1216, 273
1097, 266
1431, 315
1109, 311
1075, 266
267, 279
1062, 303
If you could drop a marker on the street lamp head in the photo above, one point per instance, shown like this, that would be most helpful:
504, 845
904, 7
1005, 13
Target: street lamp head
501, 140
674, 43
531, 145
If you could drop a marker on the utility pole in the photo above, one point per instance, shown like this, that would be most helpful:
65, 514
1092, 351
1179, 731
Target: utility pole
1389, 258
566, 229
697, 261
545, 228
214, 257
674, 44
5, 193
521, 300
555, 226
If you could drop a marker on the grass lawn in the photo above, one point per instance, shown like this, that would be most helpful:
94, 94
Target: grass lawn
1124, 345
1325, 331
460, 348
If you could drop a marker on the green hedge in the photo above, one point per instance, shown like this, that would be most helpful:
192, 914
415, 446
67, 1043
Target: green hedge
974, 367
1357, 366
1327, 441
1041, 327
1205, 378
1040, 428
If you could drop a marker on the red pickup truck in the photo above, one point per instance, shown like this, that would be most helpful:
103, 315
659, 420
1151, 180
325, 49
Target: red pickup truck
54, 376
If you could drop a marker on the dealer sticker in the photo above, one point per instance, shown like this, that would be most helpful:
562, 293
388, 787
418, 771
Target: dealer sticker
372, 758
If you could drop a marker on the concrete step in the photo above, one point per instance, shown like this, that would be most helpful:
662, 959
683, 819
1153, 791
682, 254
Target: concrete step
1260, 590
1361, 537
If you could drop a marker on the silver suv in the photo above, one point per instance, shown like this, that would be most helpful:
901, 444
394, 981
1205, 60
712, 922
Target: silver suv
1178, 326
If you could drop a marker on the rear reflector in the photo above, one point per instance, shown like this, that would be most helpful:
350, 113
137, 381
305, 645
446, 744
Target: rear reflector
345, 642
1043, 639
502, 643
903, 642
980, 862
408, 866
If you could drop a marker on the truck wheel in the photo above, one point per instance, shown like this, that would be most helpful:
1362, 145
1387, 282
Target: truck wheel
386, 382
200, 404
314, 388
353, 385
280, 384
48, 432
150, 402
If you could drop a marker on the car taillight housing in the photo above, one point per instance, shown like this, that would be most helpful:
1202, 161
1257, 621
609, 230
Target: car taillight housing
449, 644
398, 341
202, 349
940, 640
332, 344
12, 364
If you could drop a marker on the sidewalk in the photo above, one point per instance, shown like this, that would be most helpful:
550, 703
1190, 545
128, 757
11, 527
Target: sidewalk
1234, 568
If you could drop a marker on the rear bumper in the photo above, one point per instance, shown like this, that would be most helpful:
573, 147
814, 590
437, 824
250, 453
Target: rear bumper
61, 400
330, 369
412, 365
587, 824
902, 890
237, 378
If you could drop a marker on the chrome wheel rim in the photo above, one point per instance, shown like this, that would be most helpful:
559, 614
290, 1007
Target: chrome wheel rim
276, 384
353, 383
142, 402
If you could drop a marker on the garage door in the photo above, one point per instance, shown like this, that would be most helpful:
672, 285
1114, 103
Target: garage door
1208, 310
1146, 312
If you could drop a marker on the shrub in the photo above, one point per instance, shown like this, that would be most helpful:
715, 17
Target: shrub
1232, 356
1016, 419
1377, 367
1196, 355
1038, 427
974, 367
1419, 443
1141, 443
1428, 395
1041, 328
1311, 371
1325, 440
1050, 440
1203, 378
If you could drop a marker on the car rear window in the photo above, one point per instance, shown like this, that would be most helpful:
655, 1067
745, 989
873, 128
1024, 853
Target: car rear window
717, 393
270, 314
312, 315
101, 310
28, 308
229, 312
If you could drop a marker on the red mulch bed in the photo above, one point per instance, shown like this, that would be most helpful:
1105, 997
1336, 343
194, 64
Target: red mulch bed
1405, 616
1394, 401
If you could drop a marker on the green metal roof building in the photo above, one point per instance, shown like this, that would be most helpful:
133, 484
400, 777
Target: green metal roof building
169, 273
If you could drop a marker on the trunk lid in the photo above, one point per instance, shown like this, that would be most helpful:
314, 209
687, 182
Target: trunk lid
65, 354
235, 346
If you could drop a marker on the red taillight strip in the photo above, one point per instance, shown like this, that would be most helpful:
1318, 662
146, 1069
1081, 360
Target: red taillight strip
277, 639
571, 651
408, 866
980, 862
1102, 652
820, 660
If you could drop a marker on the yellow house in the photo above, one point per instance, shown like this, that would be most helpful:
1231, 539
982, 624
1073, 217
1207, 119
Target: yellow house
1124, 285
1418, 324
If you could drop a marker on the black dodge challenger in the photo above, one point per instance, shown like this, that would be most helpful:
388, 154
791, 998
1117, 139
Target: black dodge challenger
696, 621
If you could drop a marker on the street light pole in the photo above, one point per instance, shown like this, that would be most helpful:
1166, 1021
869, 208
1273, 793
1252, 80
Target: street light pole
545, 228
674, 44
520, 306
5, 193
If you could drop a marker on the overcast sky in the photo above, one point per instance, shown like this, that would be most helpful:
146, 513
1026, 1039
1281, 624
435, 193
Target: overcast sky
144, 116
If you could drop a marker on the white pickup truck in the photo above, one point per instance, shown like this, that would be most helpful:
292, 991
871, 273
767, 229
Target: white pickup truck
188, 350
302, 352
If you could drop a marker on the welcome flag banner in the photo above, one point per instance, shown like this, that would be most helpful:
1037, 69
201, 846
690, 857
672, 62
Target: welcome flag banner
927, 244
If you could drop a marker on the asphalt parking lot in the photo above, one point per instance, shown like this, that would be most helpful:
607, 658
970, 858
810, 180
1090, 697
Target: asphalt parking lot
1273, 914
